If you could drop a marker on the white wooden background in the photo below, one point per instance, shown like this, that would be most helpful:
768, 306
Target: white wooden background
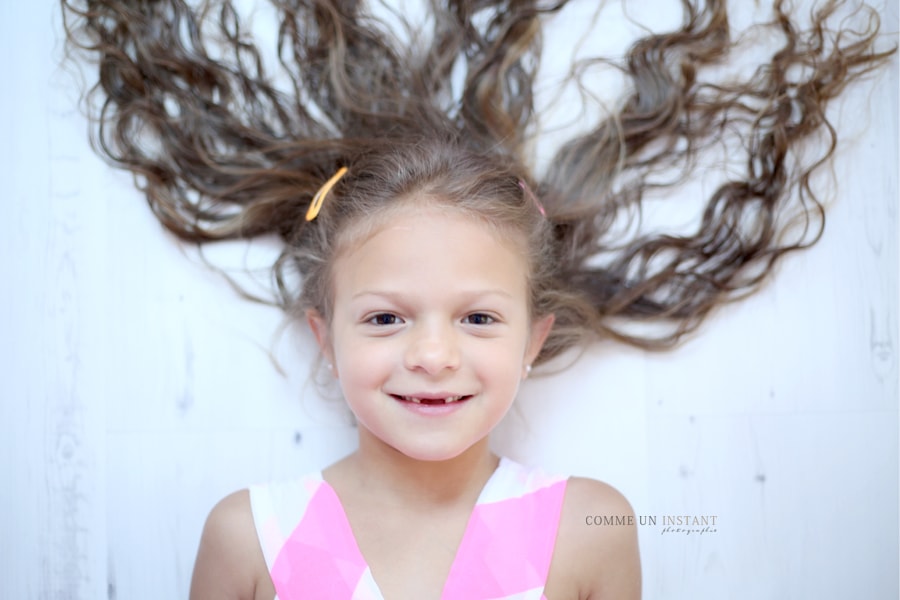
136, 389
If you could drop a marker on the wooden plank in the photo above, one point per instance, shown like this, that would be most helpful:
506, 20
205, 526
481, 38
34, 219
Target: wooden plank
53, 388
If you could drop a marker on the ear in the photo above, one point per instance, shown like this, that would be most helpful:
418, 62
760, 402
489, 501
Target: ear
319, 327
540, 329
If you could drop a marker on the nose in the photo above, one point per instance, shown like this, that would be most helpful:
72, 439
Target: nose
433, 348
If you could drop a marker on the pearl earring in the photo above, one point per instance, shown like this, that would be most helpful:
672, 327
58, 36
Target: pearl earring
527, 370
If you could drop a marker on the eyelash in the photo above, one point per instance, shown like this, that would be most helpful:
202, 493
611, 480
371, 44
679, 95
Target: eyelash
374, 319
488, 318
378, 319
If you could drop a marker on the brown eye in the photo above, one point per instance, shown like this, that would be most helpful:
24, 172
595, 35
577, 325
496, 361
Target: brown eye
384, 319
479, 319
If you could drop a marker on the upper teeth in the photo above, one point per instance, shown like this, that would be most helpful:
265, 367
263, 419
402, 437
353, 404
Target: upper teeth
419, 400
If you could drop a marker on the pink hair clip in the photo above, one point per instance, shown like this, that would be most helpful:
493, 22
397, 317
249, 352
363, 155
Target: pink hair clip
534, 199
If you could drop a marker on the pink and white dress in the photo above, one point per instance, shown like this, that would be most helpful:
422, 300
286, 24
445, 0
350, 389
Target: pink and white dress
504, 554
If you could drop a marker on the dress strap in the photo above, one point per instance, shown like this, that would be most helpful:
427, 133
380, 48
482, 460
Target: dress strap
508, 544
306, 539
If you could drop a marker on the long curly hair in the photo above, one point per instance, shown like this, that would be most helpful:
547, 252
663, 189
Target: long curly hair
224, 149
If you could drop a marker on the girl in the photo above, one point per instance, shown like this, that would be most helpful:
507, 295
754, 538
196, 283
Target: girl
429, 289
436, 270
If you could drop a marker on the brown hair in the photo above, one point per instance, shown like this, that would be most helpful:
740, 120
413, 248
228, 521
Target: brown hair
221, 152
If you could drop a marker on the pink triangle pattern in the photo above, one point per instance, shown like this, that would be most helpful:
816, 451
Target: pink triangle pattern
507, 546
321, 551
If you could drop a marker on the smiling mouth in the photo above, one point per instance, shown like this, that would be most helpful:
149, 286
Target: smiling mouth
415, 400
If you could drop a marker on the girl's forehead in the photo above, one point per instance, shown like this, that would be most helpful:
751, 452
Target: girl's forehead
432, 247
420, 213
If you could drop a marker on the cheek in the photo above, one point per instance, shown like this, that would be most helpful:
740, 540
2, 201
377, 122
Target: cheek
500, 363
359, 363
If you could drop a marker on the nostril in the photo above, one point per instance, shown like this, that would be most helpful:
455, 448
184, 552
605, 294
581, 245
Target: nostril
433, 353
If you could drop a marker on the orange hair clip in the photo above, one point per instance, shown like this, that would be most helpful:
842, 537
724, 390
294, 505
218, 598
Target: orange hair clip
316, 205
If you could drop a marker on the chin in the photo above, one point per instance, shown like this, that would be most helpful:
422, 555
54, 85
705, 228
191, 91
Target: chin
431, 452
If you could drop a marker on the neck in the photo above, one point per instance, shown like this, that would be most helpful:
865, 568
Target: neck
382, 471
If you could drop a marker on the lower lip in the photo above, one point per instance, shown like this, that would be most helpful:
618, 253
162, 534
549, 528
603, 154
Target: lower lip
433, 410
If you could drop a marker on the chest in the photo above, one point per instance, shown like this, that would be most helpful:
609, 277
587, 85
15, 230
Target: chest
410, 557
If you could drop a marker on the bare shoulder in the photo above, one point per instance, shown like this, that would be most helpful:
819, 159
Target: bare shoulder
230, 564
596, 555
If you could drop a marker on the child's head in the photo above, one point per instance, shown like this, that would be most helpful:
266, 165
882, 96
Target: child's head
428, 177
426, 272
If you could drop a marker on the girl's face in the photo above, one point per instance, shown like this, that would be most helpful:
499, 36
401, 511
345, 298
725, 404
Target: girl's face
430, 334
